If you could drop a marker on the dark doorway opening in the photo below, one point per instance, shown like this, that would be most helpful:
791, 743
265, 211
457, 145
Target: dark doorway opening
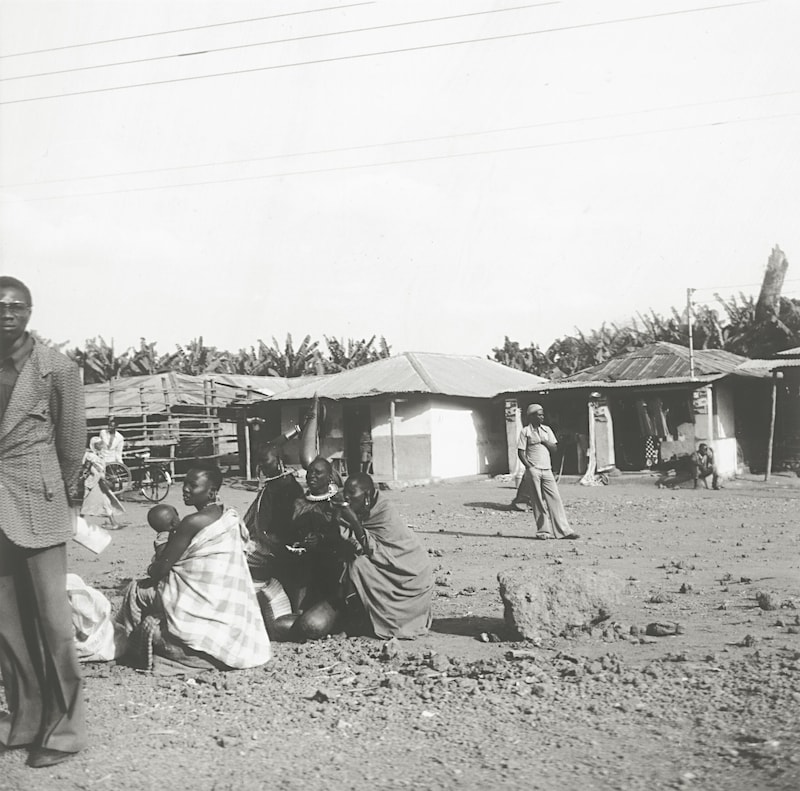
357, 420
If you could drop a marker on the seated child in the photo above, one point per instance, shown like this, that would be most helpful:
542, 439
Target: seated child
163, 519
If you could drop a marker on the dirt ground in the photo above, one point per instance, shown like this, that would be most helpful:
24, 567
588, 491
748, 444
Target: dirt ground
717, 707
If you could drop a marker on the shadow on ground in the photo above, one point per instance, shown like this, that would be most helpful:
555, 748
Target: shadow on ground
471, 626
498, 534
492, 506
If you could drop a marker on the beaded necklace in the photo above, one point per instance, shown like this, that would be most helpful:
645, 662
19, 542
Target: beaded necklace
333, 489
275, 477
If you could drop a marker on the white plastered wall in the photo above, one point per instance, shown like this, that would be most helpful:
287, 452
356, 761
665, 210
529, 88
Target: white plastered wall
454, 442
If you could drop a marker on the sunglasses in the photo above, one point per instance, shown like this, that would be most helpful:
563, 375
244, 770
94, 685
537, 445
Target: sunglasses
14, 308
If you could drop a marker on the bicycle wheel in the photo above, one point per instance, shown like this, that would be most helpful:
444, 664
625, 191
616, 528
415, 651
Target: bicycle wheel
118, 477
155, 484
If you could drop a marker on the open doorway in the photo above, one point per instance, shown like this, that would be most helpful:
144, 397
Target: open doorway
357, 424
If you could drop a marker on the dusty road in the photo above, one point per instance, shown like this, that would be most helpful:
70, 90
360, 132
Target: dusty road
717, 707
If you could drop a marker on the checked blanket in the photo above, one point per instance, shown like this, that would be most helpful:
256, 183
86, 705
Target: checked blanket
208, 597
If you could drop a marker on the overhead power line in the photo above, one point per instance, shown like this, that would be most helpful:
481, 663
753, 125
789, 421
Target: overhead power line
401, 50
186, 29
409, 141
739, 285
278, 41
412, 160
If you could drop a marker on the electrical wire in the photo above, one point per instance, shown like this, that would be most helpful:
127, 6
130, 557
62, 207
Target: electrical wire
186, 29
362, 55
279, 41
407, 141
413, 160
738, 285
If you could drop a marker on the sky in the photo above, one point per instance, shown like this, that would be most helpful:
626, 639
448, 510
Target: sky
443, 173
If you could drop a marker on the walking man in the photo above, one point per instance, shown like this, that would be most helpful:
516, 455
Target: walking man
536, 443
42, 438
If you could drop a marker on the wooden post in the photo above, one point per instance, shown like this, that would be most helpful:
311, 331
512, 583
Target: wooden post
392, 441
111, 397
689, 292
143, 407
247, 450
212, 424
513, 427
768, 470
170, 426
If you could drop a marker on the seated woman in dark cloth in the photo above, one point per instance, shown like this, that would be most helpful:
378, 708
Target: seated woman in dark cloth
323, 545
392, 576
198, 606
269, 522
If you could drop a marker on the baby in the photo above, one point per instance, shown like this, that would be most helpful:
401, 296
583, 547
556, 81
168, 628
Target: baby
163, 519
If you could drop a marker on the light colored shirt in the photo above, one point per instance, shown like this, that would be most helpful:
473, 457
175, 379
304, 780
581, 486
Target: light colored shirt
531, 440
112, 446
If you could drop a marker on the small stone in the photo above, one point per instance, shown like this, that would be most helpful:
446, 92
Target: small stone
767, 601
439, 663
793, 630
662, 629
389, 649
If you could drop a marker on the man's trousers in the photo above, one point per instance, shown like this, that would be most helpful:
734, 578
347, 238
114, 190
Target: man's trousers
38, 661
545, 500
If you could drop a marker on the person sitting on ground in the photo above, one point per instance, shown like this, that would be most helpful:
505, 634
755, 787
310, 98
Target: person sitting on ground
269, 521
675, 471
323, 545
198, 607
163, 519
705, 465
392, 578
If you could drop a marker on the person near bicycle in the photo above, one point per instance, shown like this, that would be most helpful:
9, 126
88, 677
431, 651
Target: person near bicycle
536, 443
112, 442
98, 499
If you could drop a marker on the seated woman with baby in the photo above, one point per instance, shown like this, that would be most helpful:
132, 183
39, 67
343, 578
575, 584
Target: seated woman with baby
198, 606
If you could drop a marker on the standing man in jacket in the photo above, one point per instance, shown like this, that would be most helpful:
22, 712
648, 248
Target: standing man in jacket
536, 443
42, 438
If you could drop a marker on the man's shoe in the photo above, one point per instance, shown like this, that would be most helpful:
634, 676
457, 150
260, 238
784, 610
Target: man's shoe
572, 536
41, 757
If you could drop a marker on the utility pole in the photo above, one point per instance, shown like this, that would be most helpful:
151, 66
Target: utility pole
689, 293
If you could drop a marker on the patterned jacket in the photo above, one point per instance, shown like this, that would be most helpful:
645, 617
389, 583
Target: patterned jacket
42, 440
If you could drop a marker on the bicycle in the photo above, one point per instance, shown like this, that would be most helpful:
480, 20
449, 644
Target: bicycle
150, 478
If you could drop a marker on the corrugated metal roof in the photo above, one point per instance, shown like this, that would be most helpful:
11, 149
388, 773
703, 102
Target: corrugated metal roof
133, 394
764, 368
659, 361
790, 352
628, 383
418, 372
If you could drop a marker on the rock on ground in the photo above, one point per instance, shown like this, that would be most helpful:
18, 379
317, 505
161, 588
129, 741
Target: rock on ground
542, 602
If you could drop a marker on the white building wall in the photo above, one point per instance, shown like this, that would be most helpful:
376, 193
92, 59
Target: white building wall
724, 423
454, 443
